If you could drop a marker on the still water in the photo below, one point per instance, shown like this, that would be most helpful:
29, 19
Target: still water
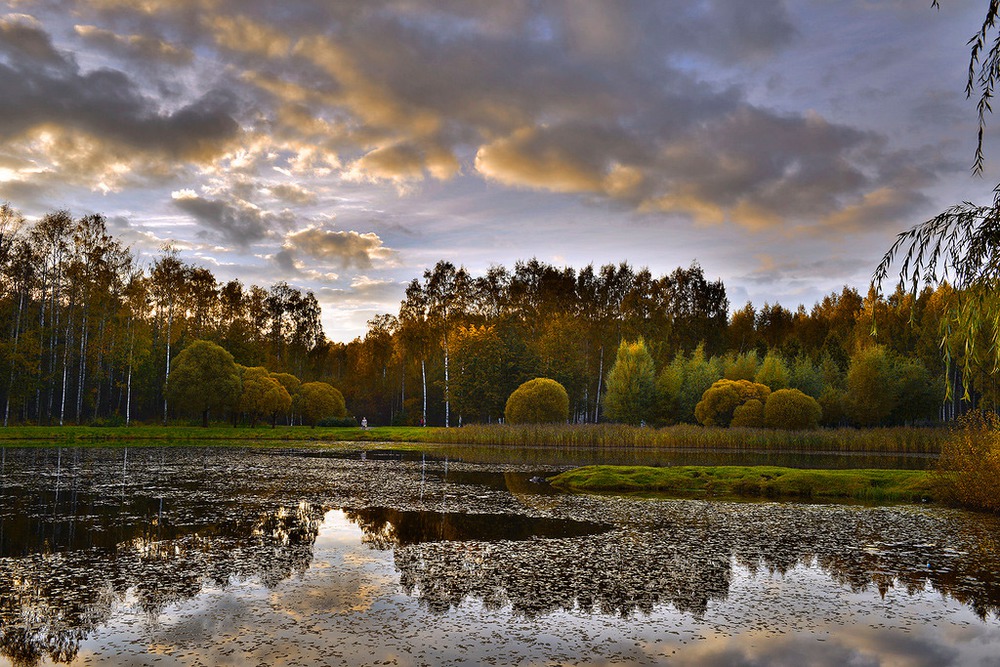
225, 556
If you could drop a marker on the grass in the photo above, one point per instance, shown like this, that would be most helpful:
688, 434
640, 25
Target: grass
897, 440
755, 482
216, 434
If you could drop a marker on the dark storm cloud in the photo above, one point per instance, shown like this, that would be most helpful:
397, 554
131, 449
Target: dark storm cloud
235, 221
22, 39
47, 91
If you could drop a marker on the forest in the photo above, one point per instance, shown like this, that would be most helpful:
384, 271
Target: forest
89, 335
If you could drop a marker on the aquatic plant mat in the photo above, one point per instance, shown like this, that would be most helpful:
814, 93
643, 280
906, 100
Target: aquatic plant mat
754, 482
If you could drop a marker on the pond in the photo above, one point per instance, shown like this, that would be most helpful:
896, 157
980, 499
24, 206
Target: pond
229, 556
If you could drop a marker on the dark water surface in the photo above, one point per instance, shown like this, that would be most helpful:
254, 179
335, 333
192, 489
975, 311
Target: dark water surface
224, 556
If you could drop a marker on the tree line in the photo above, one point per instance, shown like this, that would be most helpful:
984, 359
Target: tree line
468, 342
90, 335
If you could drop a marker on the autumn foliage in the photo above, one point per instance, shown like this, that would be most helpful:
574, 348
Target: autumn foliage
537, 401
719, 403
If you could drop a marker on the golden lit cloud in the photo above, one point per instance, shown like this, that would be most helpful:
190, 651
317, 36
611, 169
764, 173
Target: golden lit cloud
135, 46
239, 33
518, 160
343, 248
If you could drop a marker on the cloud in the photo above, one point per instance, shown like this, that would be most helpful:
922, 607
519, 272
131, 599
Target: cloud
240, 33
142, 48
235, 221
292, 193
617, 102
334, 247
100, 112
22, 38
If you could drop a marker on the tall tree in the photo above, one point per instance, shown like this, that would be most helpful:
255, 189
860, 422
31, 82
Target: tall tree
631, 396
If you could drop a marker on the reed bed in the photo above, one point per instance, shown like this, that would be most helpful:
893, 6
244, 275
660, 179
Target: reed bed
894, 440
603, 437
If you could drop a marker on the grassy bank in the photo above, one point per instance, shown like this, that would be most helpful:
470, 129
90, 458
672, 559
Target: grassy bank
217, 433
754, 482
898, 440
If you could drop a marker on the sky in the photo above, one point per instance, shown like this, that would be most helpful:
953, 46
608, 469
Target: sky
345, 147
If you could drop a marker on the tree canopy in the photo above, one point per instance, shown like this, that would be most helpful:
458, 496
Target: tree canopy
204, 377
631, 396
88, 333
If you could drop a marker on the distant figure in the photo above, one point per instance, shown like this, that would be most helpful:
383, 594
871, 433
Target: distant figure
364, 423
422, 421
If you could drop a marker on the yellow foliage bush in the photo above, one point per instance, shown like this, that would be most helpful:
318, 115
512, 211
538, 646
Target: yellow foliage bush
791, 410
537, 401
720, 401
969, 465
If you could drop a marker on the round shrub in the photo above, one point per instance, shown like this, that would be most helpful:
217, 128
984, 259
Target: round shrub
719, 402
748, 415
791, 410
536, 402
318, 401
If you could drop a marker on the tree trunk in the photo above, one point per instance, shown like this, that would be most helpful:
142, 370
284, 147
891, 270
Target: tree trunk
83, 369
600, 377
166, 379
447, 389
13, 355
128, 391
423, 377
204, 418
66, 345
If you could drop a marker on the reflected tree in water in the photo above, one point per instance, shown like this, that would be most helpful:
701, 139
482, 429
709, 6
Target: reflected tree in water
50, 602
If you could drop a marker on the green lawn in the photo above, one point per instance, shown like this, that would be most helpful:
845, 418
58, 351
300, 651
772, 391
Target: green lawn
188, 434
754, 482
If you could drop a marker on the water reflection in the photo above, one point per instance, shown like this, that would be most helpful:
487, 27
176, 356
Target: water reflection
687, 562
89, 537
385, 528
52, 600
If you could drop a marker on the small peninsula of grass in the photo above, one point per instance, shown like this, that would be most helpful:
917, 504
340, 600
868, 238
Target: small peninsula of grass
754, 482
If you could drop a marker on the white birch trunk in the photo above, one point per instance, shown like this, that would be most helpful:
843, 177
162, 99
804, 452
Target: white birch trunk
600, 378
447, 389
17, 335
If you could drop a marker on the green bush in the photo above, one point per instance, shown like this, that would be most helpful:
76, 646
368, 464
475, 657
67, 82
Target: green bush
538, 401
340, 422
791, 410
719, 402
748, 415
